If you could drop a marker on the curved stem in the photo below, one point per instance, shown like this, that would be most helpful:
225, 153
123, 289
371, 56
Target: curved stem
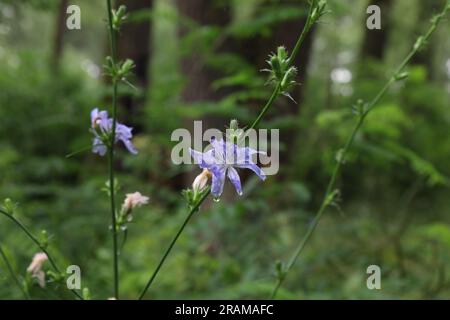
308, 24
327, 199
112, 37
41, 247
266, 108
13, 274
277, 90
172, 243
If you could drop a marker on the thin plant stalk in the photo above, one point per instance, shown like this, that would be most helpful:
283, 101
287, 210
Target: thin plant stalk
13, 274
112, 38
41, 247
330, 191
275, 93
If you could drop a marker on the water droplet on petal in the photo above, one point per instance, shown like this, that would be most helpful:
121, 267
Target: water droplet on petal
240, 193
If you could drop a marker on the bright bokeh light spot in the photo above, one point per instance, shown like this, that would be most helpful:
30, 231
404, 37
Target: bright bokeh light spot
341, 75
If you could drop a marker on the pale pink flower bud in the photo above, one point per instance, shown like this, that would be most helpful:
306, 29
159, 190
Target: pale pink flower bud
134, 200
35, 268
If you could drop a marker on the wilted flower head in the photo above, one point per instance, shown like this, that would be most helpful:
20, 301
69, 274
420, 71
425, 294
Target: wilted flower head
135, 199
101, 127
222, 159
35, 268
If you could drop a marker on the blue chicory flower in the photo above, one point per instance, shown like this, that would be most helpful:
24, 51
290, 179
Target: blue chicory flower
101, 127
222, 160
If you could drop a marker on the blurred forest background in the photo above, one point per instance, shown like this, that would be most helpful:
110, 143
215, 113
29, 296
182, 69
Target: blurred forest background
201, 59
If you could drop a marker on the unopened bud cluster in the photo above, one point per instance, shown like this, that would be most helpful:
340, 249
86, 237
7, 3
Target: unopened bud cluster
119, 70
281, 73
235, 134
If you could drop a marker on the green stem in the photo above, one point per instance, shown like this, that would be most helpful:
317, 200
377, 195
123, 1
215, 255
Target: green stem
13, 274
308, 24
330, 188
172, 243
276, 91
266, 108
36, 241
112, 36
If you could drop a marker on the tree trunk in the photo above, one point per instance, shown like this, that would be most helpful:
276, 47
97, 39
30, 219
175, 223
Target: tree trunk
257, 49
287, 34
375, 41
198, 74
202, 12
60, 27
425, 57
